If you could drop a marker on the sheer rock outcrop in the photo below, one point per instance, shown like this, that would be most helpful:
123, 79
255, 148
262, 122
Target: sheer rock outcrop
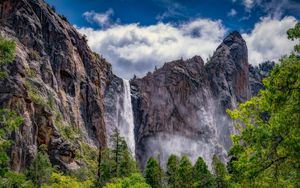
55, 81
180, 108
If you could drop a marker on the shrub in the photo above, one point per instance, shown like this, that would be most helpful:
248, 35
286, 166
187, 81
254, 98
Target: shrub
7, 51
35, 55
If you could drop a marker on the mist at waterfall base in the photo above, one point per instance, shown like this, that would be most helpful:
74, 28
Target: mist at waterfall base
206, 133
212, 142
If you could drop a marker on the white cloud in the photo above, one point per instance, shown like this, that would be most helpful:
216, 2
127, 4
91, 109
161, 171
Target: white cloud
248, 4
232, 13
102, 19
134, 49
268, 39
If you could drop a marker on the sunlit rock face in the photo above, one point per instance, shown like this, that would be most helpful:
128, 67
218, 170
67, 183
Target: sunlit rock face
180, 108
54, 80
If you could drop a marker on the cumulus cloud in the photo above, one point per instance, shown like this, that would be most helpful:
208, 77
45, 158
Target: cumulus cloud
102, 19
268, 39
134, 49
232, 13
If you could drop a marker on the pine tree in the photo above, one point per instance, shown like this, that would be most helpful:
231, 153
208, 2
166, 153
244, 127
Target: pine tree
185, 173
201, 175
105, 168
220, 173
153, 173
128, 165
116, 151
172, 171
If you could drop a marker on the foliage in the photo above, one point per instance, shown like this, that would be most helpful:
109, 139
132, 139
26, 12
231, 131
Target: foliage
294, 34
172, 171
267, 148
9, 121
15, 180
115, 162
40, 169
136, 180
7, 51
185, 172
221, 175
153, 173
88, 155
34, 55
201, 175
30, 72
106, 168
7, 54
58, 180
123, 164
34, 94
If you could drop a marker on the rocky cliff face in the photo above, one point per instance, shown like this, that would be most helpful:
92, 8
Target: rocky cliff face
61, 87
55, 83
180, 108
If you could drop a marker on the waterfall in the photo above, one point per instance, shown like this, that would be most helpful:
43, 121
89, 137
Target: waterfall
126, 126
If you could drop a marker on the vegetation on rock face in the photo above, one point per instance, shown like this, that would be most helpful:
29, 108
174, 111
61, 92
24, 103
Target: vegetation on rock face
266, 152
7, 51
9, 121
7, 54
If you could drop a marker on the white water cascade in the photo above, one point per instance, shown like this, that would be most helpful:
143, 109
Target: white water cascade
126, 126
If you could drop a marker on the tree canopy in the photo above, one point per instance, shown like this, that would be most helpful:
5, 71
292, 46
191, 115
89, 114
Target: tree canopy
267, 149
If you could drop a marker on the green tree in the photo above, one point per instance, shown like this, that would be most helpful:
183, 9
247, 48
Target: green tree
220, 171
201, 175
153, 173
267, 148
9, 122
115, 162
40, 169
124, 164
127, 163
58, 180
106, 168
294, 34
135, 180
14, 180
172, 171
185, 173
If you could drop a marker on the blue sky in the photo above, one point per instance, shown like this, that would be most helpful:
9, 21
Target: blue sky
134, 34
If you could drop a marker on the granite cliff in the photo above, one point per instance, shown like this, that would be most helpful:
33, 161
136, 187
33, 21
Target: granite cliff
55, 82
61, 87
180, 108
